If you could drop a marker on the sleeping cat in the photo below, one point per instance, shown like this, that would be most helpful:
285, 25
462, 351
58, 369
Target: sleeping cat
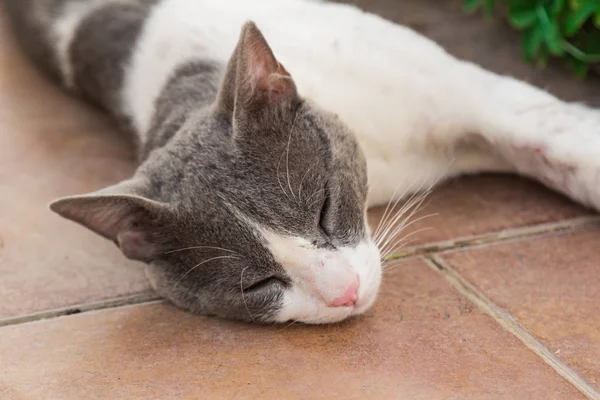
255, 123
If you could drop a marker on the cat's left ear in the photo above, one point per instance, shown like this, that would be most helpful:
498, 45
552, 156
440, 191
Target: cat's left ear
123, 213
254, 78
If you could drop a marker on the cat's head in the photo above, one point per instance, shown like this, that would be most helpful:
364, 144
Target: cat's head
254, 210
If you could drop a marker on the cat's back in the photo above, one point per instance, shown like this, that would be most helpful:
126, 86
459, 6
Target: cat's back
353, 63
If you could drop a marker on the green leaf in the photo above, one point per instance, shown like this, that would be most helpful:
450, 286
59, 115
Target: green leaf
557, 7
578, 67
564, 28
574, 4
575, 21
553, 39
531, 42
580, 54
471, 5
522, 19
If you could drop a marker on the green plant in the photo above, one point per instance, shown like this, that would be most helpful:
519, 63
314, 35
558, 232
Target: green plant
559, 28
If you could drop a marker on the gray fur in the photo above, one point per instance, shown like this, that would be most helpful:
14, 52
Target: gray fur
31, 22
98, 69
225, 157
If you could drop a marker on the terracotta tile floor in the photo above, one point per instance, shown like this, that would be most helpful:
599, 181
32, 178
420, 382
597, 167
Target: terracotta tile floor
498, 299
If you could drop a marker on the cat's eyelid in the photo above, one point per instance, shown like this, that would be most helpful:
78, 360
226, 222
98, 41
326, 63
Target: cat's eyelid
263, 283
324, 210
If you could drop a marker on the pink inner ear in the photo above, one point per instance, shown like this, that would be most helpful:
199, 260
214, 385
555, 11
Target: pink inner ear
265, 73
274, 83
134, 245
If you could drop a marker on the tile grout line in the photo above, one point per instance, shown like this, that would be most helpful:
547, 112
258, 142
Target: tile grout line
510, 324
139, 298
494, 237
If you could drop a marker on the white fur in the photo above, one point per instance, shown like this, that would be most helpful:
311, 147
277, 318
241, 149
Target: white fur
541, 136
320, 276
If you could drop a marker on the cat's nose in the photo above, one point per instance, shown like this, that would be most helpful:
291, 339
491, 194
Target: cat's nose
349, 298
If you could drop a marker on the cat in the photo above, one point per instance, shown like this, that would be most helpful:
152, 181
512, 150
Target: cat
265, 129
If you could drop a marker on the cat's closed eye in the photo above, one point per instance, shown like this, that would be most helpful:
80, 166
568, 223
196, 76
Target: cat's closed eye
268, 283
326, 205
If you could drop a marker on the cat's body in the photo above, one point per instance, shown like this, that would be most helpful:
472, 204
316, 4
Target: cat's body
418, 114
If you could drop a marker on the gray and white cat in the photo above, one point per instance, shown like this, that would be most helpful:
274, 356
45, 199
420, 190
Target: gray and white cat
251, 195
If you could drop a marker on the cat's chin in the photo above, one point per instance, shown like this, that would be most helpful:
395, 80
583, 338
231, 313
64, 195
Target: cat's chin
325, 316
329, 315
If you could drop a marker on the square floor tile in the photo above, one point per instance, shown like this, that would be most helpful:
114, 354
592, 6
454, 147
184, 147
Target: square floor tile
551, 285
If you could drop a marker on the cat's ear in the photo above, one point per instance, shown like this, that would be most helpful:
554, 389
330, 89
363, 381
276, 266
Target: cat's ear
122, 214
254, 78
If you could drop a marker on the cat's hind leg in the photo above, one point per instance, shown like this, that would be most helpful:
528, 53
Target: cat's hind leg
538, 135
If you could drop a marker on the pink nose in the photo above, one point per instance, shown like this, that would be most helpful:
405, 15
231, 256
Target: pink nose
349, 298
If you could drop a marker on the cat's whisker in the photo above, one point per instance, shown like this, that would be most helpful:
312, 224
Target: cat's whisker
384, 218
391, 224
388, 209
392, 241
392, 263
302, 181
202, 247
409, 203
394, 249
394, 246
387, 240
311, 196
287, 161
242, 291
313, 203
417, 191
287, 326
279, 179
194, 267
413, 203
402, 225
390, 267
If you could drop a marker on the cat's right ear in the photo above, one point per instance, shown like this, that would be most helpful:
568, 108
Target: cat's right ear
123, 214
254, 79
